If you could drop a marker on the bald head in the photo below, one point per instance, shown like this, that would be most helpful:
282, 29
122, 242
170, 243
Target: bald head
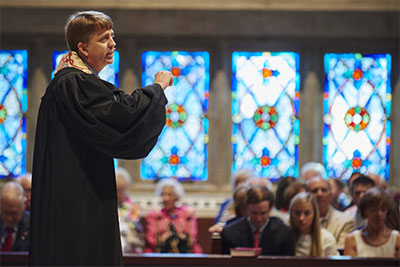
12, 191
12, 204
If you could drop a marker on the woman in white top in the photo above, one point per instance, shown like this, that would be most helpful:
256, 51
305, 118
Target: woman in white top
310, 238
376, 239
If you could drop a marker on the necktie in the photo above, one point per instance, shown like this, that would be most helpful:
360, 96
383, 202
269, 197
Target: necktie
8, 243
256, 237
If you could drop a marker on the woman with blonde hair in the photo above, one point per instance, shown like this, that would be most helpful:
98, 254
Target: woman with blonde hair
310, 239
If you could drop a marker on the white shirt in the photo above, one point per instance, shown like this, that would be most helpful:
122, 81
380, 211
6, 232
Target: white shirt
328, 244
385, 250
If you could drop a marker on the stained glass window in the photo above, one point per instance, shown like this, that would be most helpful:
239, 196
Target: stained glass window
13, 104
265, 106
109, 73
181, 150
357, 101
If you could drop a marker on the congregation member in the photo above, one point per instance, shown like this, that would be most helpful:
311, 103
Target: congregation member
340, 200
25, 181
14, 221
280, 202
239, 202
258, 228
310, 170
130, 227
336, 222
358, 187
84, 123
173, 228
227, 209
310, 238
376, 239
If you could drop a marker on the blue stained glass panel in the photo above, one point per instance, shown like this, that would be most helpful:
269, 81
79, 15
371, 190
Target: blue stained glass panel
13, 104
357, 102
181, 150
109, 73
265, 106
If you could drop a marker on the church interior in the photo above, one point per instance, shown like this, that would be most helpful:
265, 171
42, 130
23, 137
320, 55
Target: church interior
310, 29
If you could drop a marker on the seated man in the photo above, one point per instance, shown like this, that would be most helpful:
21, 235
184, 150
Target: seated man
258, 229
336, 222
14, 223
358, 187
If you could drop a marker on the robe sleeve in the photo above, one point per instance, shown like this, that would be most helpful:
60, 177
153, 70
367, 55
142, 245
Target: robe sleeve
118, 124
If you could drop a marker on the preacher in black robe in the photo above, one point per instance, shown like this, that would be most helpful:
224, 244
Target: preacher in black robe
83, 123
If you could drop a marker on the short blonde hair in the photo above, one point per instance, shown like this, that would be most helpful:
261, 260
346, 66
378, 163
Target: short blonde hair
81, 25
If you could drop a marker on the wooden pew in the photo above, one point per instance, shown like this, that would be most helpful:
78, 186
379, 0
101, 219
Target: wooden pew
204, 260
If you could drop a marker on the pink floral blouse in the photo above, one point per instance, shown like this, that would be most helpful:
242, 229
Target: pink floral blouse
183, 220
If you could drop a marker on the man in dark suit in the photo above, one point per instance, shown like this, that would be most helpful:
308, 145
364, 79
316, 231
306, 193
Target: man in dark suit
14, 223
258, 229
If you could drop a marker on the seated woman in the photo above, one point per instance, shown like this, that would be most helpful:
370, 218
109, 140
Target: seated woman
132, 233
310, 239
375, 239
227, 209
171, 229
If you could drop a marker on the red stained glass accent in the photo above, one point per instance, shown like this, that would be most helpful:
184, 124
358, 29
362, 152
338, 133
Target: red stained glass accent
3, 114
356, 163
176, 71
357, 74
174, 160
266, 73
265, 161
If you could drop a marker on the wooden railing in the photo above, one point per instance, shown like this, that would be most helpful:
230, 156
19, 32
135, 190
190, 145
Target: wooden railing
153, 259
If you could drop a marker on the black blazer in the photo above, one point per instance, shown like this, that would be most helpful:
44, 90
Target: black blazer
21, 242
276, 238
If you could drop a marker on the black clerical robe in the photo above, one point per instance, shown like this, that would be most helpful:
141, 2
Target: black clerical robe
83, 123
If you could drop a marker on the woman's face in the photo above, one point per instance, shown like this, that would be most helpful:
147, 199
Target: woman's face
99, 51
303, 215
376, 215
169, 198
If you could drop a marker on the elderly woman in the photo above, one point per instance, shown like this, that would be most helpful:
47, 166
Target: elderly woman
376, 239
83, 123
130, 227
171, 229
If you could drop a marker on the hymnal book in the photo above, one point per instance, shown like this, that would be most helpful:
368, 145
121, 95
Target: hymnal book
245, 252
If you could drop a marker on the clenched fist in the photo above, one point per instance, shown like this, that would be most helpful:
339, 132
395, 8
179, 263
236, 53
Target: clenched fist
164, 79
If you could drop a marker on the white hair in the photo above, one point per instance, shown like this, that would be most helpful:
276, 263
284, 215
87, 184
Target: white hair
313, 166
239, 174
176, 186
123, 174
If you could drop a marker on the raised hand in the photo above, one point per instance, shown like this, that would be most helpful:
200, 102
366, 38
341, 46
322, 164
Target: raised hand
164, 79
